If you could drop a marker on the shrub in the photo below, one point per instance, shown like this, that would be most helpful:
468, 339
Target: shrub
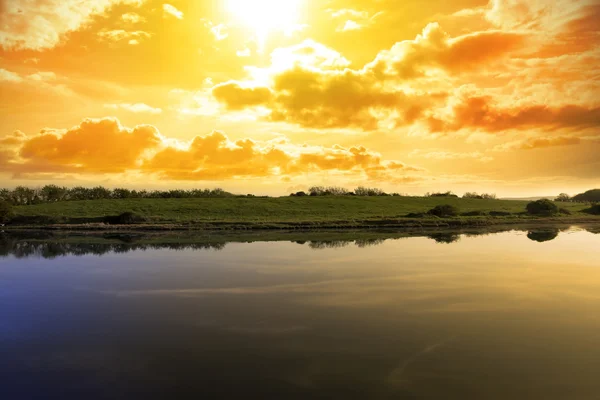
477, 213
364, 191
542, 207
444, 210
564, 211
127, 218
444, 194
327, 191
500, 213
594, 210
5, 211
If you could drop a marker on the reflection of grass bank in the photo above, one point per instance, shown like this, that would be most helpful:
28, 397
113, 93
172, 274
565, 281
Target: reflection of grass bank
327, 212
49, 244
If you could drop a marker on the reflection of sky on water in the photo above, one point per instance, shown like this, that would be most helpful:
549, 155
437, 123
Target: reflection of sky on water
490, 317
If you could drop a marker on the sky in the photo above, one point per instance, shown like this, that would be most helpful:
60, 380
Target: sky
273, 96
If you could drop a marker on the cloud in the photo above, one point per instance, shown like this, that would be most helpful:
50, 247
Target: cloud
219, 32
104, 146
237, 97
117, 35
312, 85
353, 20
543, 142
481, 113
172, 11
216, 157
435, 49
449, 155
135, 108
94, 146
42, 24
8, 76
132, 18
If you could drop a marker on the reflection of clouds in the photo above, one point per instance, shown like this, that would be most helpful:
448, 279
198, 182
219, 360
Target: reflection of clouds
266, 330
396, 376
453, 287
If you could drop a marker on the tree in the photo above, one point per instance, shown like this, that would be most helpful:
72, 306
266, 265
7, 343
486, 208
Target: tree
563, 197
53, 193
5, 211
542, 207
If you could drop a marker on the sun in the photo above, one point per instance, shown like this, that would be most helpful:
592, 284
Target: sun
266, 16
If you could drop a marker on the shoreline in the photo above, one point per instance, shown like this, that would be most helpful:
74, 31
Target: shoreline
399, 224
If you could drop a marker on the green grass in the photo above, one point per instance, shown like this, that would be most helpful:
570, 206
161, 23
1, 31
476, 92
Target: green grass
269, 210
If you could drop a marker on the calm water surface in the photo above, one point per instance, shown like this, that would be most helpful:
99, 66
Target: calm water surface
512, 315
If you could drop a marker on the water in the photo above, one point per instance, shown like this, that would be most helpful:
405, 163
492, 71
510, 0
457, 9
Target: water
443, 316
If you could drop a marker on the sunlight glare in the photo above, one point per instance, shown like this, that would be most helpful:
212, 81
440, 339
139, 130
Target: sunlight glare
266, 16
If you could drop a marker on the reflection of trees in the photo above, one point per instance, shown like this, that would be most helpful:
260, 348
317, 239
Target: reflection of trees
445, 237
329, 244
368, 242
543, 235
593, 229
25, 249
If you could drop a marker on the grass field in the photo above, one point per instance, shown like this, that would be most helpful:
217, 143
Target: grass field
316, 210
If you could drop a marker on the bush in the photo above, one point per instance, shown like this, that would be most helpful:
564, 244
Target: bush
542, 207
364, 191
328, 191
500, 213
477, 213
444, 210
444, 194
127, 218
594, 210
5, 211
564, 211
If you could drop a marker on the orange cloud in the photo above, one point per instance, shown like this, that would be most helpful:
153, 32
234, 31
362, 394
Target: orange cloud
95, 145
543, 142
312, 86
434, 48
237, 97
103, 146
479, 112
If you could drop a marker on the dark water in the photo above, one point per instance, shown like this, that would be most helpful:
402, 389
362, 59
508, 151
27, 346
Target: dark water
510, 315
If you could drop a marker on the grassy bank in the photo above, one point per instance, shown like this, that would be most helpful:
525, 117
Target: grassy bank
327, 211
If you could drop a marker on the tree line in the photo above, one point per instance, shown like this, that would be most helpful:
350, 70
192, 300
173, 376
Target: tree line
591, 196
22, 195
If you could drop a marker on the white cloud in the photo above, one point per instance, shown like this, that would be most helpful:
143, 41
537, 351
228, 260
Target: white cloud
117, 35
132, 18
8, 76
42, 24
134, 108
172, 11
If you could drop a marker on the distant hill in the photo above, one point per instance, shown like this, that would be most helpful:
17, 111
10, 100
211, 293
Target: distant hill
589, 196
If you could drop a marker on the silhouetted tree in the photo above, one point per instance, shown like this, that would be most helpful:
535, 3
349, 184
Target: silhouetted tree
563, 197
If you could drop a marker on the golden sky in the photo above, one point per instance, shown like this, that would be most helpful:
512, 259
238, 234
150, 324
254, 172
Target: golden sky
270, 96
